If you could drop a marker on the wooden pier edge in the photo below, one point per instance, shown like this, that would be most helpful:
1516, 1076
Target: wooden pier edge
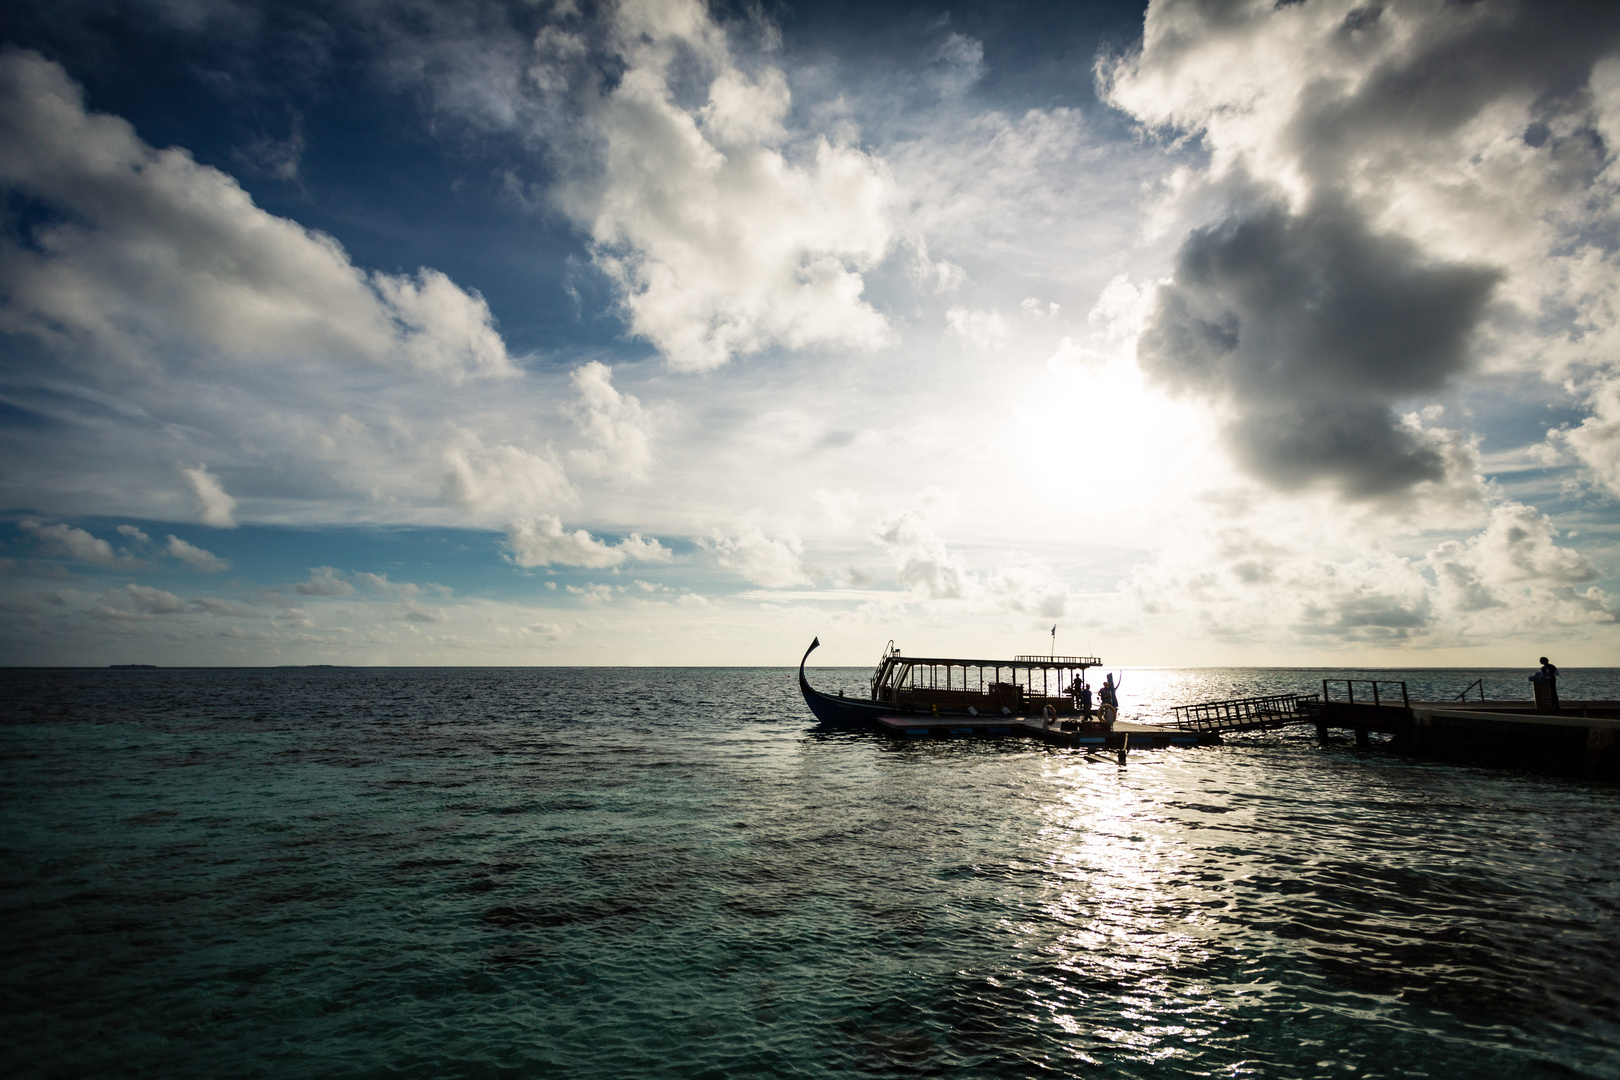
1582, 739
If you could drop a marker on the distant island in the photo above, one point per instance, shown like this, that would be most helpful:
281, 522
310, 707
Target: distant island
133, 667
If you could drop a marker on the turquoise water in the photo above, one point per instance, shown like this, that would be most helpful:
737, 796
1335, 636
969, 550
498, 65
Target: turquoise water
672, 873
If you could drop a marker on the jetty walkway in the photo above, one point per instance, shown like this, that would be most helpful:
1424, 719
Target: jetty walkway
1582, 738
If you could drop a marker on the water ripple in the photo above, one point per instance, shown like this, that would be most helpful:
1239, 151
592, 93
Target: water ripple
669, 873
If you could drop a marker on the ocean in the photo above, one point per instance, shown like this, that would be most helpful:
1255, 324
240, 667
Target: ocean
612, 872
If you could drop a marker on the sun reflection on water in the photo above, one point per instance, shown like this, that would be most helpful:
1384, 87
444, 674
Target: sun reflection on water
1129, 930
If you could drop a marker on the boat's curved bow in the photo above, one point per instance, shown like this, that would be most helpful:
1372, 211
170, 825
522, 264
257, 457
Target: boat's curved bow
837, 711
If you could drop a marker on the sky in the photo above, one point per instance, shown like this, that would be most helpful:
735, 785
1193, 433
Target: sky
1208, 332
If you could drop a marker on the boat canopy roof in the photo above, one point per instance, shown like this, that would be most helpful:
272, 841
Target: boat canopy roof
1016, 661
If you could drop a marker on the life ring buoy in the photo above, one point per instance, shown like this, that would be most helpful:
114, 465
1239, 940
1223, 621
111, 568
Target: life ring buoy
1048, 715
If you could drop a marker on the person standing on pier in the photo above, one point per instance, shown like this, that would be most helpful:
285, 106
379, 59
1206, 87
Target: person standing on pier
1545, 683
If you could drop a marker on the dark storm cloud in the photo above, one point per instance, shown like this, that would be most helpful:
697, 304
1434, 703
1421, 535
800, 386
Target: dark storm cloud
1308, 318
1311, 326
1443, 80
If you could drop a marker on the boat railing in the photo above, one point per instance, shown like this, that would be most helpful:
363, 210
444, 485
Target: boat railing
896, 674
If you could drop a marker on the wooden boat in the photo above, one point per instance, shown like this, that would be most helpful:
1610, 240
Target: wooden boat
1023, 687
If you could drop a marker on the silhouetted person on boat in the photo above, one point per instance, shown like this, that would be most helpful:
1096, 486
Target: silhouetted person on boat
1108, 696
1545, 684
1084, 696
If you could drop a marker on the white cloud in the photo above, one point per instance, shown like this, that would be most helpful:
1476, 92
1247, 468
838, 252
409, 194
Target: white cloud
1034, 309
636, 548
150, 601
962, 64
1121, 309
1517, 548
195, 557
438, 327
1596, 440
161, 261
323, 581
65, 541
943, 276
594, 593
215, 606
381, 583
1071, 357
983, 331
134, 534
719, 242
1028, 589
411, 611
542, 541
922, 562
774, 562
1268, 576
503, 478
619, 429
218, 508
835, 508
1035, 199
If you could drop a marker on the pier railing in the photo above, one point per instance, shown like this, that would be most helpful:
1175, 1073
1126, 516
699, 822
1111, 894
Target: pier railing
1370, 696
1244, 714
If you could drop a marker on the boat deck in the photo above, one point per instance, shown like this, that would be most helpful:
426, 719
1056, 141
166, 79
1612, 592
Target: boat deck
1125, 735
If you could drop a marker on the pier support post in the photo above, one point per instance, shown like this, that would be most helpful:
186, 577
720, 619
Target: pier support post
1321, 732
1124, 746
1361, 738
1599, 757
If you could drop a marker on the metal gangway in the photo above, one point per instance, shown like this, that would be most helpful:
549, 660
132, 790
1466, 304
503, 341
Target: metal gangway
1246, 714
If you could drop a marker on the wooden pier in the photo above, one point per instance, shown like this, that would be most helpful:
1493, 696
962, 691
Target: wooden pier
1580, 739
